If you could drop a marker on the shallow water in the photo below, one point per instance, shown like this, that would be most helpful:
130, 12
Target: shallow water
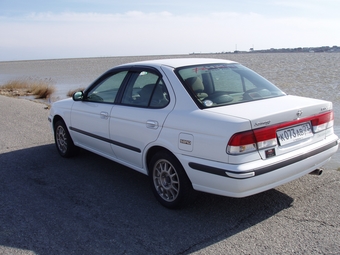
315, 75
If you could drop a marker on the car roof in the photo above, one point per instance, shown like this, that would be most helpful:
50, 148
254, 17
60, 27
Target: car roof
179, 62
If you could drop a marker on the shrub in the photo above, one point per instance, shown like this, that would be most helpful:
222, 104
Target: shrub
40, 88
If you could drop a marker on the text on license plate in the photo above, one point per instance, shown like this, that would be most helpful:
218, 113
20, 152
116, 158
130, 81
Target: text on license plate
295, 133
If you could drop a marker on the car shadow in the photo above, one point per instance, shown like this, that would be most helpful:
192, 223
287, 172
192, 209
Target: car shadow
90, 205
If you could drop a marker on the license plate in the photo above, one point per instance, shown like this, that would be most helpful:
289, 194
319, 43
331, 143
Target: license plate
295, 133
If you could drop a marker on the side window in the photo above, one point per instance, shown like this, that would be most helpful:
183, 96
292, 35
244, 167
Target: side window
106, 91
146, 89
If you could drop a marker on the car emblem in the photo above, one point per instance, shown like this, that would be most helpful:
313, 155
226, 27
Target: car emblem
298, 114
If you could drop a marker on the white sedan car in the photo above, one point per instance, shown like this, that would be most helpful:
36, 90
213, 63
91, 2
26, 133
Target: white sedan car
205, 124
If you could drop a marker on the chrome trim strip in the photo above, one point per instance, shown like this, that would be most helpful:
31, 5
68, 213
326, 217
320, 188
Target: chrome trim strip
240, 176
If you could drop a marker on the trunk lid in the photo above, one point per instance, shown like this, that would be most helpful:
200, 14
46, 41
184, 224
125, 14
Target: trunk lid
277, 110
279, 125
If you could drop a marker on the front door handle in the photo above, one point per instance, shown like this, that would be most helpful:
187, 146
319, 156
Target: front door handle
104, 115
152, 124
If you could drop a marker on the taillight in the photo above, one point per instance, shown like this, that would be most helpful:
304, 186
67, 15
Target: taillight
249, 141
323, 121
257, 139
242, 143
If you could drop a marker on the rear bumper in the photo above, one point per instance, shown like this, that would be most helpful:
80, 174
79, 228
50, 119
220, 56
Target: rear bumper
251, 178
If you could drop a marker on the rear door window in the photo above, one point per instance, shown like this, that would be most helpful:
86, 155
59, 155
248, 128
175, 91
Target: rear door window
145, 89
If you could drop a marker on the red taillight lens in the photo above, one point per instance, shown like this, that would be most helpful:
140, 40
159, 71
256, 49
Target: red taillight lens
243, 138
323, 121
249, 141
242, 143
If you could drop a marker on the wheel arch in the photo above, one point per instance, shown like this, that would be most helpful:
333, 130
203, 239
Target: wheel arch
155, 149
56, 118
151, 152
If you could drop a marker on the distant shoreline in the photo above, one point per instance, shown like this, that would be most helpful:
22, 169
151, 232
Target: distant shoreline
322, 49
334, 49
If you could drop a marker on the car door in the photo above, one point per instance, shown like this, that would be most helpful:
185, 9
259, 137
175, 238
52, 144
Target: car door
138, 119
90, 117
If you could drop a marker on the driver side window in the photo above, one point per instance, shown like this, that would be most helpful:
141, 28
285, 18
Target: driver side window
106, 91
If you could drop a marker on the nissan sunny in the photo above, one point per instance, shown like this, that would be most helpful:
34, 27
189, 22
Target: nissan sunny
200, 124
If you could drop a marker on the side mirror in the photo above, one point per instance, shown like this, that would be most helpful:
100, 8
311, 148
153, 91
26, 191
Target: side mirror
78, 96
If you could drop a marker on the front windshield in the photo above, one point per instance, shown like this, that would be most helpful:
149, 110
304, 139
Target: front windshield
214, 85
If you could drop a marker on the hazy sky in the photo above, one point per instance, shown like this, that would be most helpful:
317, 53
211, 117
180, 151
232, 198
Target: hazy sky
45, 29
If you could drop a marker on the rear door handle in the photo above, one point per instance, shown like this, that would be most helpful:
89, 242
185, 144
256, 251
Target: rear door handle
152, 124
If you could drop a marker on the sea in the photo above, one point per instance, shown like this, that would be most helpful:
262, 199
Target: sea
315, 75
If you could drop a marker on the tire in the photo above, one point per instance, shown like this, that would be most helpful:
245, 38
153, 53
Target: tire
169, 182
63, 140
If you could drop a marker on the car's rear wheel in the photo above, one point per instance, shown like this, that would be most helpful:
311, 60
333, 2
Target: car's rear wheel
169, 182
63, 140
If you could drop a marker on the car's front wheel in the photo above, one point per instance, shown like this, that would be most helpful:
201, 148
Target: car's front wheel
169, 182
63, 140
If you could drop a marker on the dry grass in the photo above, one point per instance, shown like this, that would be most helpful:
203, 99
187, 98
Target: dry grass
39, 88
72, 91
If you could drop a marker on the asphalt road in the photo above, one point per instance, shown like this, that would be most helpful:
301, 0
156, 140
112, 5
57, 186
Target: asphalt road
90, 205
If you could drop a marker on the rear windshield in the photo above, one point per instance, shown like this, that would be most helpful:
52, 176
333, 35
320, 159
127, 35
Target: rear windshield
224, 84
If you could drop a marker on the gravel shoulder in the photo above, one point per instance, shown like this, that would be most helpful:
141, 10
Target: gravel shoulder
90, 205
